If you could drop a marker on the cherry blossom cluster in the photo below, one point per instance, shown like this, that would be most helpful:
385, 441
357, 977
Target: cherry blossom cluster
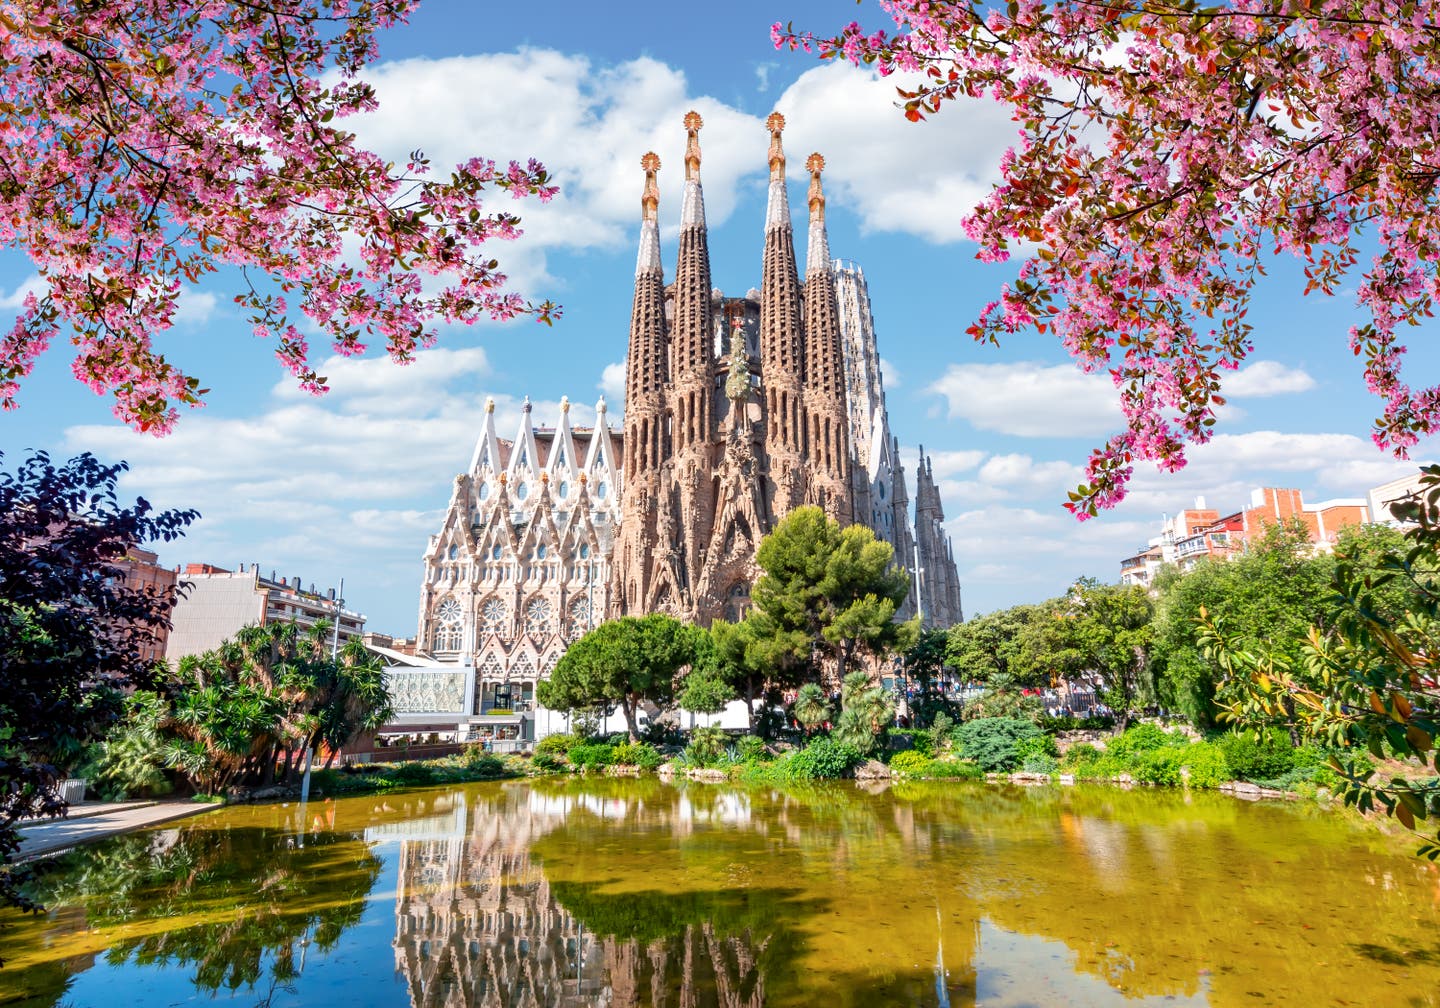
147, 143
1168, 149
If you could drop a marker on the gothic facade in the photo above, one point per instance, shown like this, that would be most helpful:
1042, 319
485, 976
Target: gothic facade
737, 410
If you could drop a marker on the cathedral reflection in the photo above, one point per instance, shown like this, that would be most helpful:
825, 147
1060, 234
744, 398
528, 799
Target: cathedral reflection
479, 924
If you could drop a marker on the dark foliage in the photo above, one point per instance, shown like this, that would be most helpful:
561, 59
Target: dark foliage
72, 632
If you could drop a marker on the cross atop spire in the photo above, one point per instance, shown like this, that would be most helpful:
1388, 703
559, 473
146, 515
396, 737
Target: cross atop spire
650, 198
693, 122
776, 125
815, 164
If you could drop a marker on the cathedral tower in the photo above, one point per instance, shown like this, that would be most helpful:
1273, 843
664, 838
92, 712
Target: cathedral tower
646, 437
782, 347
824, 430
693, 394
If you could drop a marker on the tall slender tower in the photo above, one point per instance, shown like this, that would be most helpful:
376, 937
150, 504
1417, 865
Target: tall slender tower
941, 587
692, 398
645, 436
782, 349
826, 432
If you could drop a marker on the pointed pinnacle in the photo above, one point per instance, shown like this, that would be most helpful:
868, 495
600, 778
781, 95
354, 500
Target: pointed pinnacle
693, 122
776, 125
650, 198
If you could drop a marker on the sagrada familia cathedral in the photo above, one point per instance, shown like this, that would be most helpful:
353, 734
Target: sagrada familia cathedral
737, 410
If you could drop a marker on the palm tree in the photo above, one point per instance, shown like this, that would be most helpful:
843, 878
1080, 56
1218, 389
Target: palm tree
811, 708
865, 711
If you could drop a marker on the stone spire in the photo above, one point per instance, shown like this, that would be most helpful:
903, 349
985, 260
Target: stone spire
645, 376
828, 429
692, 325
782, 359
690, 408
645, 371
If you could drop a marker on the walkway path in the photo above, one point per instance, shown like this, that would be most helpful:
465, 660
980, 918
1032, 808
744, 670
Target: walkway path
89, 822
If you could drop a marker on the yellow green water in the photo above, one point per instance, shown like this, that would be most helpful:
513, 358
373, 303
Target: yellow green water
634, 892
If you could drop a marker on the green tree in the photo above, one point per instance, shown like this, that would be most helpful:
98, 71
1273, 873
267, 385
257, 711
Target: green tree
267, 697
811, 708
73, 632
925, 664
623, 662
993, 644
1102, 633
866, 710
1273, 591
826, 593
1365, 678
705, 688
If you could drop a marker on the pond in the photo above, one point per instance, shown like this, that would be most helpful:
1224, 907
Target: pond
636, 892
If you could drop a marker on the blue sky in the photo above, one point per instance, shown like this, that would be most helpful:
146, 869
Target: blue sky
352, 484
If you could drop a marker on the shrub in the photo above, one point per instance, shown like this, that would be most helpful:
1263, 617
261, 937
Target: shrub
1207, 765
479, 763
1082, 754
592, 756
1159, 765
918, 739
751, 749
639, 754
1138, 739
547, 762
557, 744
822, 759
1039, 763
1037, 745
411, 774
707, 745
1255, 759
993, 742
956, 769
908, 762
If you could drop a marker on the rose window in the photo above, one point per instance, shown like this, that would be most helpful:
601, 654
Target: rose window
537, 618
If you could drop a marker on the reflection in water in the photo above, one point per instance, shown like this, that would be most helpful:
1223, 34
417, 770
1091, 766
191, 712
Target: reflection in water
637, 893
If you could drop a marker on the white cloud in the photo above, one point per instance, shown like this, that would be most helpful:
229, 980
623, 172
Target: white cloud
948, 463
872, 151
1267, 378
889, 375
354, 481
194, 307
32, 284
588, 123
612, 384
1028, 399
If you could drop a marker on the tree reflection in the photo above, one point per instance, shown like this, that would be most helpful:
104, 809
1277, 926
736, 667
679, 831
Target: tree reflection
239, 904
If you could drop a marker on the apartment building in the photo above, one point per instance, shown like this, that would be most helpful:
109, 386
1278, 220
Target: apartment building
218, 602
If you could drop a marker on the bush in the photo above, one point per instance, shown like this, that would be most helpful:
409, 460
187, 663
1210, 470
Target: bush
557, 745
919, 740
1082, 754
1159, 765
479, 763
822, 759
1255, 759
546, 762
952, 769
592, 756
1207, 765
908, 762
1138, 739
411, 774
751, 749
707, 745
993, 742
639, 754
1039, 763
